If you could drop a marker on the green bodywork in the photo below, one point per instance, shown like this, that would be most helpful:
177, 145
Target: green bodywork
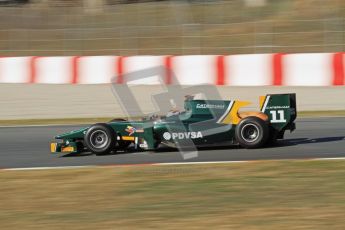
203, 123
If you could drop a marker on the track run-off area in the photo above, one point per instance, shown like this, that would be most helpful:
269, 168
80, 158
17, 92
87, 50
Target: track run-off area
28, 147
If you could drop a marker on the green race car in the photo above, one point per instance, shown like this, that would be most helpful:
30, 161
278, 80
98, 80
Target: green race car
202, 123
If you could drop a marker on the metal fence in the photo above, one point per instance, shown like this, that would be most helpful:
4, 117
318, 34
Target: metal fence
174, 27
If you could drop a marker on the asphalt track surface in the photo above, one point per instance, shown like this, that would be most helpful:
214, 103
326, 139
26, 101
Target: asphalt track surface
22, 147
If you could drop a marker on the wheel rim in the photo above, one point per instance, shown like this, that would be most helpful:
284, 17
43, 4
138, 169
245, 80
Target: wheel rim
99, 139
250, 132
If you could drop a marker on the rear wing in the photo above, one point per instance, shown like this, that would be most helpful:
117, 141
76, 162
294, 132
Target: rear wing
281, 110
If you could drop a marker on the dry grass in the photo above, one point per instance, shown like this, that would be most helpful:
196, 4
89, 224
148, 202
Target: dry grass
262, 195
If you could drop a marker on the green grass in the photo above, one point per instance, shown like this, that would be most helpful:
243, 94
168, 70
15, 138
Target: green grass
259, 195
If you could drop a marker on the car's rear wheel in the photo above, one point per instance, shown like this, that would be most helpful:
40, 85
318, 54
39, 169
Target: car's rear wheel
252, 132
100, 139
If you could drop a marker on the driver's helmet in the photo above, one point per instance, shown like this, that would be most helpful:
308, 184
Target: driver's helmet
188, 97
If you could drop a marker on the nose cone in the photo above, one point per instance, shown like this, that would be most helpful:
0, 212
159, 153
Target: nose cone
75, 134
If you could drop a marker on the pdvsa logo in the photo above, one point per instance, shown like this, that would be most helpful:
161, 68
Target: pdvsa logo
183, 135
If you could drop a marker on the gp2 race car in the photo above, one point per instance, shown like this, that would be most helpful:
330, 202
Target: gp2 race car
203, 123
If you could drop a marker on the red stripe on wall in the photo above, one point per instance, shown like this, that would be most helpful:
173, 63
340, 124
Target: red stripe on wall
278, 69
75, 70
120, 69
33, 69
338, 69
220, 70
168, 69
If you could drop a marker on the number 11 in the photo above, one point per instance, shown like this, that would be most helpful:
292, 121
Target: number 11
281, 116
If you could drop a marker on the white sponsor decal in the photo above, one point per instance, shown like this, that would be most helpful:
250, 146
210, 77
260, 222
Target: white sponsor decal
167, 136
181, 136
143, 145
209, 106
265, 104
278, 107
278, 116
226, 112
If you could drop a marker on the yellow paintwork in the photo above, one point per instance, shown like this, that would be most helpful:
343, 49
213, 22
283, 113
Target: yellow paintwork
53, 147
67, 149
262, 101
232, 117
127, 138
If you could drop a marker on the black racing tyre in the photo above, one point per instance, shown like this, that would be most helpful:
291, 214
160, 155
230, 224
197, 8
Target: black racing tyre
100, 139
252, 132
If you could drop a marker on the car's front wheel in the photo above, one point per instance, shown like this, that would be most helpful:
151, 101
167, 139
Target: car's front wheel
100, 139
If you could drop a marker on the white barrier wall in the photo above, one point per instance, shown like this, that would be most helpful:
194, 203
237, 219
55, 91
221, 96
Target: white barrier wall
308, 70
138, 63
314, 69
53, 70
95, 70
249, 70
15, 69
192, 70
